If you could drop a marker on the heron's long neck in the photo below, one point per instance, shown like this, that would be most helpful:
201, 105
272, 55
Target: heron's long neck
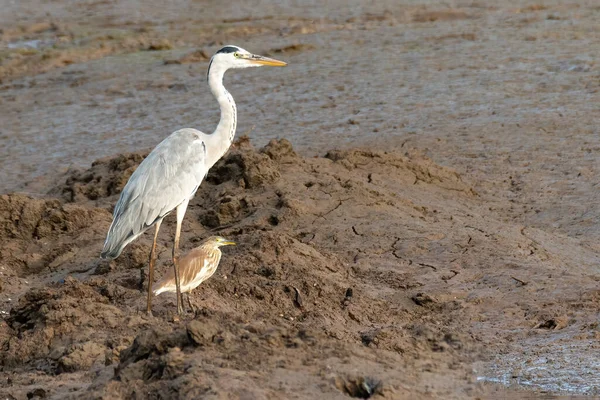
221, 139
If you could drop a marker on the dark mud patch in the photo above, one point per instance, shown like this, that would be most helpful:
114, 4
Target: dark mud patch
292, 48
439, 15
190, 58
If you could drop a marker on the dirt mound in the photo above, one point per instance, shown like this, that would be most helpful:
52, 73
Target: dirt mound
353, 271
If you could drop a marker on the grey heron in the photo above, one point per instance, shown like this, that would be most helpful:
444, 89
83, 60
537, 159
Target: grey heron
169, 176
194, 268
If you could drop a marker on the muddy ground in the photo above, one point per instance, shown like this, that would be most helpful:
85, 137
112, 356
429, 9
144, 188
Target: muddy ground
415, 201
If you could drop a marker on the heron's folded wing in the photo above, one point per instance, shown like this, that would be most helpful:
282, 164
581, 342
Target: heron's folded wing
169, 175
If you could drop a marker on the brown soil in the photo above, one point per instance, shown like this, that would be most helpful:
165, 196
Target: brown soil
347, 271
432, 230
305, 296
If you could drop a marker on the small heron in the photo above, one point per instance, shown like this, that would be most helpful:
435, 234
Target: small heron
168, 178
194, 268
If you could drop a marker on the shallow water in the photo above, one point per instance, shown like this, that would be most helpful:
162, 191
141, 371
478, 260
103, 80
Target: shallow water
557, 362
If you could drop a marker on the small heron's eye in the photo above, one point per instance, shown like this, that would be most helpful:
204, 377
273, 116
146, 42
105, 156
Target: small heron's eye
236, 55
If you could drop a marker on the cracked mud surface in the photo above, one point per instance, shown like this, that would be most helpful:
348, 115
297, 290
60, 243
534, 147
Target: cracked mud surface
427, 226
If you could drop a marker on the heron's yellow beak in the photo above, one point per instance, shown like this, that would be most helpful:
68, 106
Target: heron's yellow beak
228, 243
260, 60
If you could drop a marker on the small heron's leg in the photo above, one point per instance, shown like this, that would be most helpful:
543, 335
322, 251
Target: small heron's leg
180, 214
142, 279
190, 302
151, 266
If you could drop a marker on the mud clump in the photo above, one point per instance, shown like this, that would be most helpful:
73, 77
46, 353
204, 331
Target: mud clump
281, 151
167, 361
229, 209
149, 343
160, 45
46, 320
424, 300
244, 171
201, 333
250, 171
105, 178
244, 165
81, 357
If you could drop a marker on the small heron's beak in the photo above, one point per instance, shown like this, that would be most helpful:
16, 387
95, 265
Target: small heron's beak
260, 60
228, 243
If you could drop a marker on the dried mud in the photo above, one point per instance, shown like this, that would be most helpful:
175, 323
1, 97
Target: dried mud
427, 229
288, 300
346, 270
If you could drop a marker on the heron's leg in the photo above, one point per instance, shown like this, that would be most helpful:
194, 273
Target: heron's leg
151, 266
180, 214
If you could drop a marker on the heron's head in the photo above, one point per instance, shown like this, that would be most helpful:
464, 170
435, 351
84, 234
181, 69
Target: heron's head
236, 57
219, 241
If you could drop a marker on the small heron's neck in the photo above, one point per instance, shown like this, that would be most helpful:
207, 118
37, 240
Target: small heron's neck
222, 137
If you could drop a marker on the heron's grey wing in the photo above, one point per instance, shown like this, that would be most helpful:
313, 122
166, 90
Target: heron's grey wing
169, 175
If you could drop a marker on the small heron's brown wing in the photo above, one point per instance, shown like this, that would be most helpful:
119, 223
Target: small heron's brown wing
189, 266
166, 284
